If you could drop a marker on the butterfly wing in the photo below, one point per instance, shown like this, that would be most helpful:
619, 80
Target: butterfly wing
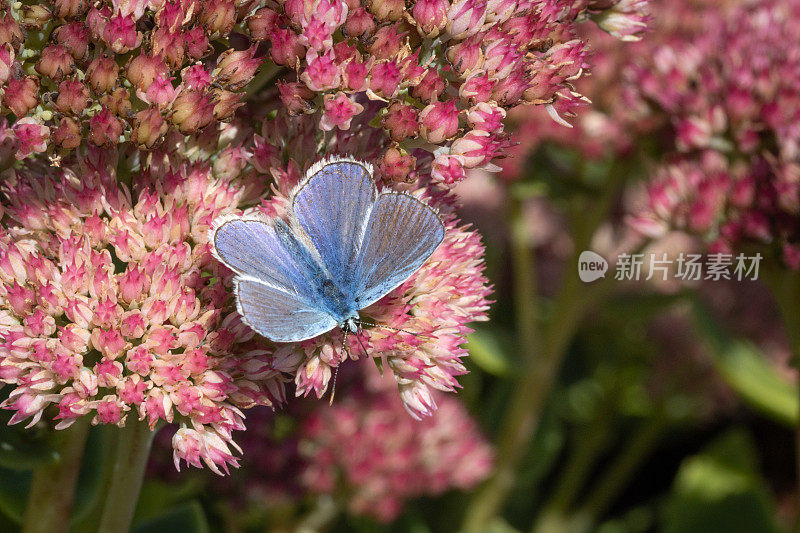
401, 235
332, 207
277, 314
276, 282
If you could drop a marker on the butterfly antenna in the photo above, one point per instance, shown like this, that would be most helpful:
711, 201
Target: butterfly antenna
336, 372
361, 322
362, 344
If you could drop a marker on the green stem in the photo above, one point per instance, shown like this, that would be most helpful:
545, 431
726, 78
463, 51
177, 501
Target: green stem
53, 485
268, 73
133, 448
627, 462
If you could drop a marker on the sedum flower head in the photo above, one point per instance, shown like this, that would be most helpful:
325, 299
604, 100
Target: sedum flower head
115, 70
112, 307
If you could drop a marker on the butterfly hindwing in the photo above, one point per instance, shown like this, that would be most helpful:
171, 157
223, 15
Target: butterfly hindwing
402, 233
278, 315
332, 208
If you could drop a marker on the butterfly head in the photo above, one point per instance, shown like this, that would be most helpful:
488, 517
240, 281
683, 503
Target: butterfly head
351, 324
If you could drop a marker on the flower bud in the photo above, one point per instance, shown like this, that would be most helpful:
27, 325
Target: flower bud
68, 134
143, 69
430, 16
400, 121
296, 97
10, 31
261, 23
396, 166
32, 137
218, 17
148, 128
7, 56
192, 111
73, 97
102, 74
225, 104
120, 34
236, 68
430, 87
55, 62
359, 23
439, 122
21, 95
448, 169
466, 56
465, 18
339, 110
196, 77
286, 49
34, 17
196, 42
75, 36
387, 10
118, 101
170, 46
104, 128
69, 9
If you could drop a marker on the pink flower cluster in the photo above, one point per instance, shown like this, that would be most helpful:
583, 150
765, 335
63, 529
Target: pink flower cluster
725, 87
369, 445
112, 307
444, 72
115, 71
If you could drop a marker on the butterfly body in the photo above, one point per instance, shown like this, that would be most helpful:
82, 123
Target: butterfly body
345, 247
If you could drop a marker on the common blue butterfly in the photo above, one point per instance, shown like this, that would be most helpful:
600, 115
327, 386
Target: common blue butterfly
344, 248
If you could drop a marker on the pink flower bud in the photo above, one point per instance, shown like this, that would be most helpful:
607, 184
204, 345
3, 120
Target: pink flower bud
261, 23
32, 137
192, 111
476, 148
465, 18
120, 34
218, 17
148, 128
236, 68
55, 62
486, 117
339, 110
160, 92
430, 16
466, 56
10, 31
117, 102
387, 10
170, 45
73, 97
68, 134
21, 95
143, 69
386, 43
359, 23
501, 57
355, 76
400, 121
625, 20
75, 36
448, 169
196, 77
102, 74
477, 87
104, 128
7, 56
397, 166
196, 42
321, 72
286, 49
430, 87
384, 79
439, 122
296, 97
225, 103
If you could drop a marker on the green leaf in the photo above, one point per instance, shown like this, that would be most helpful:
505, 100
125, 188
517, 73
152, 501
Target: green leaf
720, 490
748, 372
184, 518
21, 448
486, 351
157, 497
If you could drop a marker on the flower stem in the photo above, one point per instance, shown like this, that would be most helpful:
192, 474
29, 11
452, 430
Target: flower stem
53, 485
133, 448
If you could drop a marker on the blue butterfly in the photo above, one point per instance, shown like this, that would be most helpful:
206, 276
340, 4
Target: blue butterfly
345, 247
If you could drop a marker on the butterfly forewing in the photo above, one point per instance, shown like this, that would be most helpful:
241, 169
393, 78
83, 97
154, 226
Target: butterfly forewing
332, 208
402, 233
278, 315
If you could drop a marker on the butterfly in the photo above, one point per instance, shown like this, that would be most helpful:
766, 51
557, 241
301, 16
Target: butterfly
344, 248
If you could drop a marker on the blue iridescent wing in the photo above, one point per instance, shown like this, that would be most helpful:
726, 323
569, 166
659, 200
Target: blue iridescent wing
277, 314
276, 278
332, 207
401, 235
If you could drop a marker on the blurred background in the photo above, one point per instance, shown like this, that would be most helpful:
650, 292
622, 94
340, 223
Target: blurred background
620, 405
